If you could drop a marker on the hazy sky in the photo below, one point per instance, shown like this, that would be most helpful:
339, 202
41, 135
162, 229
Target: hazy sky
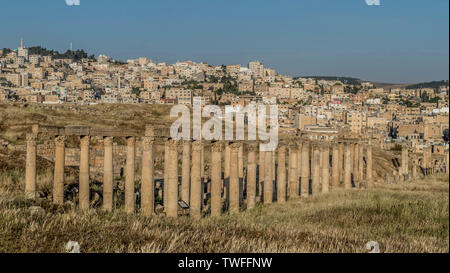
399, 41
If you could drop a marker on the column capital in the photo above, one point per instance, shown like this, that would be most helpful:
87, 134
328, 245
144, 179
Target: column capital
85, 140
131, 140
217, 147
108, 141
60, 140
148, 141
31, 138
197, 146
173, 144
235, 146
282, 149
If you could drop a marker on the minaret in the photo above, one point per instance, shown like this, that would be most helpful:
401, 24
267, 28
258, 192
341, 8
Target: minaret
21, 42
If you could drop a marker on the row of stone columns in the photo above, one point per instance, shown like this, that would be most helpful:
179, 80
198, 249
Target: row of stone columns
300, 169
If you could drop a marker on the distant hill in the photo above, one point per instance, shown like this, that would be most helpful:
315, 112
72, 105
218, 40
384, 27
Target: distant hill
69, 54
433, 84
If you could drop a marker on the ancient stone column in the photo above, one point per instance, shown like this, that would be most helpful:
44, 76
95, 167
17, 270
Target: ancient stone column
325, 172
227, 165
335, 167
186, 172
202, 162
369, 175
414, 169
356, 165
268, 182
251, 176
261, 175
30, 167
226, 171
281, 181
148, 182
305, 170
84, 173
348, 167
361, 164
196, 181
172, 196
293, 171
216, 179
58, 179
341, 161
166, 172
130, 175
315, 171
108, 174
299, 165
447, 162
405, 167
241, 173
234, 179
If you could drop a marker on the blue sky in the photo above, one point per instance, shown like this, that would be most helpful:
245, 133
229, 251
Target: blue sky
399, 41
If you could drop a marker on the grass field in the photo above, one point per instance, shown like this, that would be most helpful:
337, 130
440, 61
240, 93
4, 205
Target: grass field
407, 217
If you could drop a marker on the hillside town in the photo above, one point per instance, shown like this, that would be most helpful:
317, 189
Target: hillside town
318, 107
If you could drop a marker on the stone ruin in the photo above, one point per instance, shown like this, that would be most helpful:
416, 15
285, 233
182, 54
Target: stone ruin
298, 168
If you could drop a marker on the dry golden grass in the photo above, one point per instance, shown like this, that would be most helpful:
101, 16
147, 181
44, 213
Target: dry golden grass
407, 217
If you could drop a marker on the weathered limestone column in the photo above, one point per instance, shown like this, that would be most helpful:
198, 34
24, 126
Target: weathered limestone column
293, 171
84, 173
30, 167
216, 179
172, 196
196, 181
148, 182
108, 174
202, 162
130, 175
186, 172
361, 164
227, 166
414, 169
299, 166
335, 167
241, 173
325, 173
305, 170
241, 161
341, 161
447, 167
58, 179
166, 173
234, 178
356, 165
348, 167
251, 176
405, 167
369, 175
262, 157
316, 171
227, 171
281, 181
268, 182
